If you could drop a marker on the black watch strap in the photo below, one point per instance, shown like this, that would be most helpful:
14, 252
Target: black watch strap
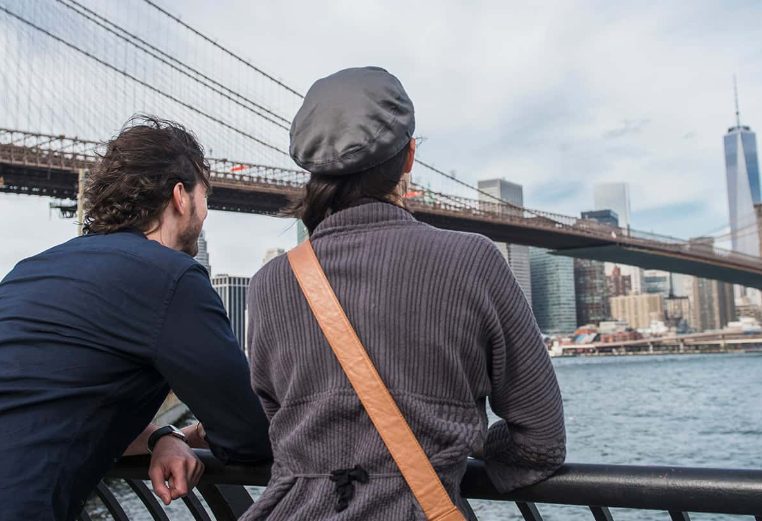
167, 430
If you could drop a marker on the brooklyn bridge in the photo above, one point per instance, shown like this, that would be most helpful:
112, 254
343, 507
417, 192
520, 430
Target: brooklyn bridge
53, 120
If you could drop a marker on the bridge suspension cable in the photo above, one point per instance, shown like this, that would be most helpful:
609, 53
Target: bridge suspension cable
198, 77
300, 95
181, 67
224, 49
143, 83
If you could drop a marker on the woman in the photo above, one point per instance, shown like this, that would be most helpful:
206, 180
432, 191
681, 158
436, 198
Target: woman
439, 313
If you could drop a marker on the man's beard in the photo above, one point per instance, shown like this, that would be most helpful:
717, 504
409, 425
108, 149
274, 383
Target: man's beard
189, 236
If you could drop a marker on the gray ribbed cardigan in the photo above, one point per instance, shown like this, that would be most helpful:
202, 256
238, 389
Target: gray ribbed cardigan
447, 326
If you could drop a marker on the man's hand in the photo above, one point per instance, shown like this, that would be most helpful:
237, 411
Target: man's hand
174, 469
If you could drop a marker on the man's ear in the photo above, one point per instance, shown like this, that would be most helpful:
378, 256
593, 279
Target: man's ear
179, 202
410, 157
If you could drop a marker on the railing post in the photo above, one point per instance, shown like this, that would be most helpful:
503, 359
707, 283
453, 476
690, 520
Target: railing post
529, 511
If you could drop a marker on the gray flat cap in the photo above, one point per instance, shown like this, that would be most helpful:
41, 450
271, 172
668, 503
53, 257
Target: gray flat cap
350, 121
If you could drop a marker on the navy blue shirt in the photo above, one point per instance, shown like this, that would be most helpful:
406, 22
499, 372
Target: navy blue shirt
93, 334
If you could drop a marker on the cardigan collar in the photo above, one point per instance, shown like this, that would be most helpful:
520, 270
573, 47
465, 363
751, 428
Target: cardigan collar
366, 213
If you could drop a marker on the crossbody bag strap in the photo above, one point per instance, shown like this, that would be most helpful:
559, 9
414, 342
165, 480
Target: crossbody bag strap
407, 453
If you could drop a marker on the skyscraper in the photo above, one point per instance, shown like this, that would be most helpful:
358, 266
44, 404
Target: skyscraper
553, 299
590, 284
742, 176
607, 216
712, 302
203, 253
618, 284
516, 255
232, 291
613, 196
616, 196
591, 292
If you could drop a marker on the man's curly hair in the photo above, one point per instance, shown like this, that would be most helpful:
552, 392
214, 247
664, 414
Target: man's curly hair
133, 180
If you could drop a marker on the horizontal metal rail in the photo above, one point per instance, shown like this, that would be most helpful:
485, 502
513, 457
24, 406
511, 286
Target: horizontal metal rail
677, 490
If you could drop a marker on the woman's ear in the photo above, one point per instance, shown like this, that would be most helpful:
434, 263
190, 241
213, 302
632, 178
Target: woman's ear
410, 157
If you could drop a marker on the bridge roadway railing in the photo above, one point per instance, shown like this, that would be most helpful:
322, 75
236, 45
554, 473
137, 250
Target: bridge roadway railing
61, 152
675, 490
540, 219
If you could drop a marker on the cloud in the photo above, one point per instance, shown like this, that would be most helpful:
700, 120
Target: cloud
628, 127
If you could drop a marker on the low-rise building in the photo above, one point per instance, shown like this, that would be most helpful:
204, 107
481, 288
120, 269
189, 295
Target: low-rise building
638, 310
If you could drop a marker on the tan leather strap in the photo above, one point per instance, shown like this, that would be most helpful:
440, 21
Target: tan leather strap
375, 397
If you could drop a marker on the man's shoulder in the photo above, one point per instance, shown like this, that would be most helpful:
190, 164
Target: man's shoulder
119, 256
133, 248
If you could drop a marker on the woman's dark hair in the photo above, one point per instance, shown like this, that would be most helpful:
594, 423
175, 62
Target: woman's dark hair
134, 178
327, 194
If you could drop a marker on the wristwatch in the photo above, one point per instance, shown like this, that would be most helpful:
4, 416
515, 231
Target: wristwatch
167, 430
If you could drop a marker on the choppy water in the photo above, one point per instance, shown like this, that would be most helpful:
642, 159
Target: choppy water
683, 410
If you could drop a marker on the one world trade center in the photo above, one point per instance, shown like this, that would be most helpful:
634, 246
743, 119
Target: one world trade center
742, 171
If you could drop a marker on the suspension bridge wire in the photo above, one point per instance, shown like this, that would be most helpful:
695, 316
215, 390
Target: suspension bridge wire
463, 183
747, 224
300, 95
230, 53
224, 49
144, 84
152, 52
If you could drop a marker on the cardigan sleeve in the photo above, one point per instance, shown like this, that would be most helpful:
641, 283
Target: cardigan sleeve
528, 444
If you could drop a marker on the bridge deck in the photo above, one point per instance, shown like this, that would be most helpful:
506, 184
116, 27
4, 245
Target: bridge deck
44, 165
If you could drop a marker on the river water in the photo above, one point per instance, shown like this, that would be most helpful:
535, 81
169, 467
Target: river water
682, 410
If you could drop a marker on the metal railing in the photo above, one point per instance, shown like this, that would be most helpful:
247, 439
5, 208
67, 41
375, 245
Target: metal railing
676, 490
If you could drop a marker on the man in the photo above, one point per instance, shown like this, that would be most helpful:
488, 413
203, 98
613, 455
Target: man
94, 332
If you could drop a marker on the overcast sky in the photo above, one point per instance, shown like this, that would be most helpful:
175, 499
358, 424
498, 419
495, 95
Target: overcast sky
556, 97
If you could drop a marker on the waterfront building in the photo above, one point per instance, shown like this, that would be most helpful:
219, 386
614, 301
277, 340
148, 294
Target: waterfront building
271, 254
591, 292
590, 283
638, 310
553, 298
517, 255
713, 304
682, 285
657, 281
203, 253
677, 313
742, 177
617, 283
746, 308
232, 290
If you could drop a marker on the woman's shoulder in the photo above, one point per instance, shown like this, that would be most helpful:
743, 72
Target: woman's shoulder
272, 273
460, 243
